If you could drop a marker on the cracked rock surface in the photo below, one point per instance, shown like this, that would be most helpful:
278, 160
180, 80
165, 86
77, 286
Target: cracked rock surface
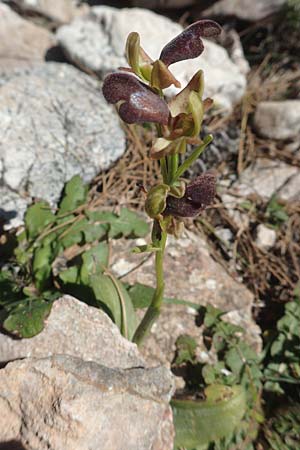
76, 329
55, 124
65, 403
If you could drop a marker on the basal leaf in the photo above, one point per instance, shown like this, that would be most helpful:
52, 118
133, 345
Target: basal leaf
141, 296
75, 194
27, 318
37, 217
198, 422
94, 261
111, 293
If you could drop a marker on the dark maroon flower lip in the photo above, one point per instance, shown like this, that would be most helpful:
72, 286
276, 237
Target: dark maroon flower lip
188, 44
199, 194
138, 103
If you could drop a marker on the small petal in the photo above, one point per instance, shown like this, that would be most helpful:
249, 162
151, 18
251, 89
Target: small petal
188, 44
161, 77
198, 195
138, 103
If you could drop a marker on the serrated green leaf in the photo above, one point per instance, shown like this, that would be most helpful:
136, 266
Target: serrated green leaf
114, 296
185, 349
37, 217
75, 194
212, 316
27, 318
94, 261
73, 233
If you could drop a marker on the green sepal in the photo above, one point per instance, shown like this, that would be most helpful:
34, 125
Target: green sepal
156, 200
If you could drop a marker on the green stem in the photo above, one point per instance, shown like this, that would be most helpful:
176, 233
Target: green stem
194, 156
164, 169
173, 167
154, 309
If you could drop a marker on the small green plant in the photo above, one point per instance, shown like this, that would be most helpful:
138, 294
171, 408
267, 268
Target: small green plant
66, 252
234, 372
138, 95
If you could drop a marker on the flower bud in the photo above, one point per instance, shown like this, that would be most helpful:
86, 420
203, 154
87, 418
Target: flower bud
156, 200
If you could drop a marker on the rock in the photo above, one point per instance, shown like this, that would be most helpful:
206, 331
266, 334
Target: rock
278, 120
30, 42
97, 41
267, 177
232, 42
265, 237
243, 9
75, 329
61, 11
55, 123
190, 274
64, 403
164, 4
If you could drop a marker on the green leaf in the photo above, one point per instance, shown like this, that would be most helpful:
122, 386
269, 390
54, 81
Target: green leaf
27, 318
42, 260
142, 295
9, 291
94, 261
75, 194
37, 217
70, 275
197, 423
148, 248
127, 224
111, 293
212, 316
73, 233
185, 349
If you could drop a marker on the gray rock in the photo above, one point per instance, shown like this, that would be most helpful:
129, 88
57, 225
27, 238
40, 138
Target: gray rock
267, 177
190, 274
278, 120
165, 4
64, 403
30, 42
75, 329
97, 41
265, 237
244, 9
55, 123
61, 11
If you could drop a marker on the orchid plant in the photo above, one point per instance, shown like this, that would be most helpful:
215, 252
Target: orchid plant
138, 95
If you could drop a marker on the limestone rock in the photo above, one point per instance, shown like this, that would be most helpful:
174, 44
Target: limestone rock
278, 120
164, 4
267, 177
64, 403
75, 329
60, 11
55, 123
266, 237
244, 9
190, 274
20, 40
97, 41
